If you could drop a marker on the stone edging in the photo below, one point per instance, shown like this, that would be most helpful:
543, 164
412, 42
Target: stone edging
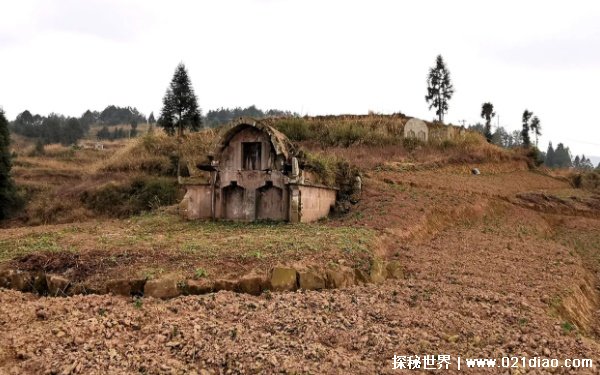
278, 279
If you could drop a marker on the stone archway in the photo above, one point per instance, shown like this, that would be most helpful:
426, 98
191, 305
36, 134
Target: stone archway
269, 203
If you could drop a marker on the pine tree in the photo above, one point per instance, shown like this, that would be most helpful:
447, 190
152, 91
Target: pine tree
439, 88
525, 132
562, 157
103, 133
180, 106
487, 112
536, 127
134, 125
151, 119
8, 195
550, 156
72, 131
577, 162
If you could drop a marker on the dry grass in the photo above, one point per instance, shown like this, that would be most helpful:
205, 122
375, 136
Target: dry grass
157, 153
472, 148
55, 182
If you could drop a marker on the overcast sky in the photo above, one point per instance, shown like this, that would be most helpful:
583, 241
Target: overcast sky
310, 56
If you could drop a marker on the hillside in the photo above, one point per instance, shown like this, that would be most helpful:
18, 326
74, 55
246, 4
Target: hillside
504, 263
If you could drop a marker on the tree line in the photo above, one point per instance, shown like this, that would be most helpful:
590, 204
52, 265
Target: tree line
105, 134
54, 128
57, 128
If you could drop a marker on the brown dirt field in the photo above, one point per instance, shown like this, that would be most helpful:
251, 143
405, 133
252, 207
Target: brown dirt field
486, 276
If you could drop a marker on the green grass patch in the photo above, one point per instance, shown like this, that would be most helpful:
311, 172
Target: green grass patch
199, 241
35, 242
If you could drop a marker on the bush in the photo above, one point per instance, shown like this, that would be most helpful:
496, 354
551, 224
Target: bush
587, 180
447, 144
534, 157
296, 129
411, 144
332, 171
142, 194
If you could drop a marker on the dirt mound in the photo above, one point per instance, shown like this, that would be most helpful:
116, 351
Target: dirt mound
573, 205
77, 266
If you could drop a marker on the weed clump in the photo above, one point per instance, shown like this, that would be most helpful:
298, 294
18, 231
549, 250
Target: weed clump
587, 180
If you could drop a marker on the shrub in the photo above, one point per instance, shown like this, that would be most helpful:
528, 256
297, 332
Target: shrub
411, 144
587, 180
447, 144
296, 129
535, 158
142, 194
332, 171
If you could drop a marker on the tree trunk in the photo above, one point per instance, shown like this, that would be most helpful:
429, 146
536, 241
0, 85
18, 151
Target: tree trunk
441, 108
179, 141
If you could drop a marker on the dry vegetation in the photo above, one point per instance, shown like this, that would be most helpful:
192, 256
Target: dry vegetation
500, 264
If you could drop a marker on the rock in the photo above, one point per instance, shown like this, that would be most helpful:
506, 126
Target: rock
162, 288
118, 287
340, 277
452, 338
137, 286
283, 279
394, 270
57, 285
5, 277
41, 314
22, 281
126, 287
202, 286
39, 283
361, 277
311, 280
378, 271
475, 171
252, 284
223, 284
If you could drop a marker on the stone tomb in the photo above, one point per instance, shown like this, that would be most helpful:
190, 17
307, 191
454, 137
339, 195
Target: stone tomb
255, 175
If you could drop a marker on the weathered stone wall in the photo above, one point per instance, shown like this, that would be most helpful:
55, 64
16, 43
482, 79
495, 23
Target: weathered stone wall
197, 202
249, 195
315, 202
254, 195
231, 157
251, 184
